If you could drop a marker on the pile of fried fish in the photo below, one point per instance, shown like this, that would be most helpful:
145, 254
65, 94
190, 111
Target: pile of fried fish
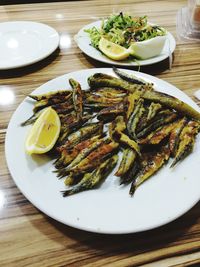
117, 116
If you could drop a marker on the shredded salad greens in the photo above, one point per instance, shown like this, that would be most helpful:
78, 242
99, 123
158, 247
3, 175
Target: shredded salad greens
124, 30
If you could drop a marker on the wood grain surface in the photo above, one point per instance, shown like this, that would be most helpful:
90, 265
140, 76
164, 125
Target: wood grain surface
30, 238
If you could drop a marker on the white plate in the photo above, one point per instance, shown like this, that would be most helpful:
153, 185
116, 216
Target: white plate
84, 43
25, 42
109, 209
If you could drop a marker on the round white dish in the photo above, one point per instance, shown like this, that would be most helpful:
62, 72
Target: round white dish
108, 209
84, 43
25, 42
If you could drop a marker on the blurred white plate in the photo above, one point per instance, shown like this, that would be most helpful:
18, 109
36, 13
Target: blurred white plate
25, 42
84, 43
108, 209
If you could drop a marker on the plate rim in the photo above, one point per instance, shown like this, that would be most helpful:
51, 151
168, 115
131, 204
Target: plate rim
106, 60
38, 58
85, 228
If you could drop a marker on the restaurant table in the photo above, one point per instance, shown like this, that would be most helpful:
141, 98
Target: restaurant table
30, 238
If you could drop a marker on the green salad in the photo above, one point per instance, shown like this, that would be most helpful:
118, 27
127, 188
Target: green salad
124, 30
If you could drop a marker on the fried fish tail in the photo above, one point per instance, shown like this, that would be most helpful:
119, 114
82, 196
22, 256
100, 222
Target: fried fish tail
184, 153
30, 120
72, 179
93, 179
77, 98
128, 158
131, 174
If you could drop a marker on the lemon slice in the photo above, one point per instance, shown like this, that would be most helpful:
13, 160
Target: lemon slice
112, 50
148, 48
44, 133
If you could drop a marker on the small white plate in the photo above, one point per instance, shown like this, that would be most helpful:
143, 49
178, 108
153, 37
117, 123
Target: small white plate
84, 43
108, 209
25, 42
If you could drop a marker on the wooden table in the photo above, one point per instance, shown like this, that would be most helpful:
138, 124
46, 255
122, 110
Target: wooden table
30, 238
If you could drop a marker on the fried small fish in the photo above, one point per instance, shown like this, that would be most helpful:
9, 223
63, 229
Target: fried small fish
93, 179
153, 164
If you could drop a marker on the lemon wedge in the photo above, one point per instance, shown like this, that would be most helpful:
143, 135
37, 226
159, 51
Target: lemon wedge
148, 48
112, 50
44, 133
